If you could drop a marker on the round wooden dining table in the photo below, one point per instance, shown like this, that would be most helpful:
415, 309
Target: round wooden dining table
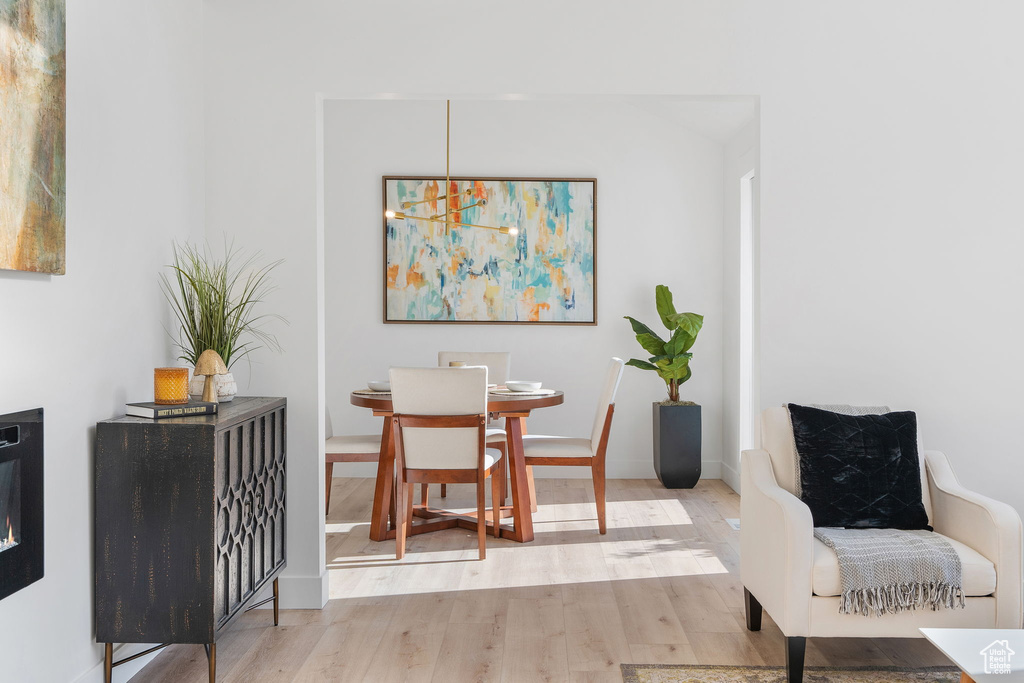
514, 408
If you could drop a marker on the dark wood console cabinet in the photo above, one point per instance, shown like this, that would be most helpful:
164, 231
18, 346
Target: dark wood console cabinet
189, 523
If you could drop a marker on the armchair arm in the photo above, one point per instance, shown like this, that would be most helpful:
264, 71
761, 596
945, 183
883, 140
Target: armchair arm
990, 527
776, 545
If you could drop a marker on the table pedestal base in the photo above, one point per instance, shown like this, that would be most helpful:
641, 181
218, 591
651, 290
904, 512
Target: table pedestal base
437, 519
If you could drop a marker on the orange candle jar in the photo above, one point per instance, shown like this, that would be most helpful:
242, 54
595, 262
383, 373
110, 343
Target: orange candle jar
170, 385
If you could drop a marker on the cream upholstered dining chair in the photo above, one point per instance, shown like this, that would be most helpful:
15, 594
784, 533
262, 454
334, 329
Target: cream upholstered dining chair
583, 452
346, 448
796, 578
499, 366
440, 418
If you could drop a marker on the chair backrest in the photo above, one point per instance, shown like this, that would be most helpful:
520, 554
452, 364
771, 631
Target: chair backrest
498, 363
440, 392
777, 439
611, 385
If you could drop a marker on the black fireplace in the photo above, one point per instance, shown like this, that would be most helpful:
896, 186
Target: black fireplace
21, 500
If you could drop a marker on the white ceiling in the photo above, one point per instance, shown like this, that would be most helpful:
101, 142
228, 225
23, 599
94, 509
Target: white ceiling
719, 120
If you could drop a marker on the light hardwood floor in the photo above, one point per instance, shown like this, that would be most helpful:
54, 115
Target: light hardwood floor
660, 587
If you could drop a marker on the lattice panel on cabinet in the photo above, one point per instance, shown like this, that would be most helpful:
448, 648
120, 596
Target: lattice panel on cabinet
250, 509
269, 493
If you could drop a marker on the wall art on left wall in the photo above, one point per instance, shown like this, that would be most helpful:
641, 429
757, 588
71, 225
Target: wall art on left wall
32, 192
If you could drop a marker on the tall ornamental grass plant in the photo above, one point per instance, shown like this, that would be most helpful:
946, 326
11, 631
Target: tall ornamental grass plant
215, 301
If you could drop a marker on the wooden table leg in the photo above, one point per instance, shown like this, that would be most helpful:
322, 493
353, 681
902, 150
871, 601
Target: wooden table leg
522, 515
108, 662
964, 678
382, 502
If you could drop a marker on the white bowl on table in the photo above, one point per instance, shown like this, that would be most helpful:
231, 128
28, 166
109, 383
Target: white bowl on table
379, 385
522, 385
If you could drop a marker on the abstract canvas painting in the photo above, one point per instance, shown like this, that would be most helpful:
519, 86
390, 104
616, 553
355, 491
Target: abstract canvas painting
541, 271
32, 193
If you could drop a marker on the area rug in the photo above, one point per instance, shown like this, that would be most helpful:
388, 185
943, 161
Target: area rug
695, 673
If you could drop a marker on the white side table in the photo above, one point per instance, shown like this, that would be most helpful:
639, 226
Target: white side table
984, 655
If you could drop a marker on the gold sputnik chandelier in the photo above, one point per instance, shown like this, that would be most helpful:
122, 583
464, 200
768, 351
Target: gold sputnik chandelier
447, 217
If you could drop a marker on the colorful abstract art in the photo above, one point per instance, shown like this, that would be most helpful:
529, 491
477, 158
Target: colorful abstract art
545, 273
32, 192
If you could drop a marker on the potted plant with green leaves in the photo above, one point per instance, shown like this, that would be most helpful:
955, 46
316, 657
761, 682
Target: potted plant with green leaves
677, 427
215, 302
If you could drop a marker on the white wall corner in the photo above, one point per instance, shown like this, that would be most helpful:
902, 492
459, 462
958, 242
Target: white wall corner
304, 592
730, 476
711, 469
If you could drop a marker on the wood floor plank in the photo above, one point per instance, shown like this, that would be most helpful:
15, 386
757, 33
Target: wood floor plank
488, 607
278, 656
536, 659
412, 640
661, 587
647, 613
543, 618
595, 677
845, 652
535, 640
471, 653
346, 650
662, 653
699, 605
725, 648
911, 652
594, 635
177, 663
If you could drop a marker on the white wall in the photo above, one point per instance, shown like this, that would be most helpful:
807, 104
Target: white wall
659, 195
82, 344
890, 146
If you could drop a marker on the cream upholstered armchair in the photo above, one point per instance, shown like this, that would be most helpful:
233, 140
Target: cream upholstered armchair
795, 577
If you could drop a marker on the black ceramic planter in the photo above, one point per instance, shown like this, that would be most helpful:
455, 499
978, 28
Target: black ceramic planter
677, 445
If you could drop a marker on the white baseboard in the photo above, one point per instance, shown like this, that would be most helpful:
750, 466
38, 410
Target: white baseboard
731, 477
711, 469
616, 469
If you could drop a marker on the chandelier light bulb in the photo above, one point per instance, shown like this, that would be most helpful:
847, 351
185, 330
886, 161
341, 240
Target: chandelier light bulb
389, 213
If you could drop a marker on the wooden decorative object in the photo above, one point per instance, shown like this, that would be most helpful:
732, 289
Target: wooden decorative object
208, 365
189, 523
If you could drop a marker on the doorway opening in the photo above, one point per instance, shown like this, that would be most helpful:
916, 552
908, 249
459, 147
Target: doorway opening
747, 408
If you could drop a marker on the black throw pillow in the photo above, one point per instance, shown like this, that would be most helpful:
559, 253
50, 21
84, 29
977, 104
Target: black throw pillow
859, 471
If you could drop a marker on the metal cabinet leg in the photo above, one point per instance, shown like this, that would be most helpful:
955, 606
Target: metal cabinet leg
276, 601
211, 656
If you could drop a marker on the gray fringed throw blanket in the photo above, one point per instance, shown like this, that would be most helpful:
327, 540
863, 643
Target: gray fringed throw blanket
888, 570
